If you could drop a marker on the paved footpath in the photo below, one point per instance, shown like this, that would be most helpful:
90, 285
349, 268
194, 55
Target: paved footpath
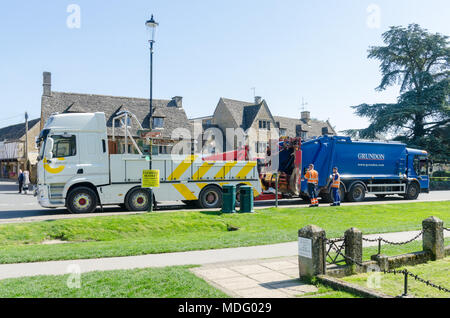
173, 259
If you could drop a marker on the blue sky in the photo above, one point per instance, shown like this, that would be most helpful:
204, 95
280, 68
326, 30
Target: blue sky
205, 50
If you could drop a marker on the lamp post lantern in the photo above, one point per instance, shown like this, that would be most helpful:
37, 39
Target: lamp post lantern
151, 27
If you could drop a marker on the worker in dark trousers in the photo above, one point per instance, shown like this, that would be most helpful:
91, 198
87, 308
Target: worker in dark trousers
20, 179
336, 183
312, 176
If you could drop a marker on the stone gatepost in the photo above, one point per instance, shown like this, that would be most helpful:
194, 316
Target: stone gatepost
433, 237
353, 245
311, 251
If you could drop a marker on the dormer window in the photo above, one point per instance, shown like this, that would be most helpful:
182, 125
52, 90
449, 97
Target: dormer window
158, 122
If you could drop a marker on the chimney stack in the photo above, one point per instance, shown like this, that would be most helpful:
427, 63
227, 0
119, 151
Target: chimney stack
306, 116
258, 99
47, 84
178, 100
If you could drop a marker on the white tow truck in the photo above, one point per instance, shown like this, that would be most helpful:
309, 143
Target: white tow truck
77, 171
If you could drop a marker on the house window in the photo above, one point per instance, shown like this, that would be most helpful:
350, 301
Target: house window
283, 132
64, 146
158, 122
264, 124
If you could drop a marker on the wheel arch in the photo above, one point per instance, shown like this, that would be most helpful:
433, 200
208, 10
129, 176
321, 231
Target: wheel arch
83, 184
134, 188
352, 184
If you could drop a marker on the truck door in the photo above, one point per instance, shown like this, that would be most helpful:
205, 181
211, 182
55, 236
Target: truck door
420, 164
62, 165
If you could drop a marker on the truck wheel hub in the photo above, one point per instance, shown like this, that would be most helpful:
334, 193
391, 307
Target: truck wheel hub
139, 200
211, 198
81, 201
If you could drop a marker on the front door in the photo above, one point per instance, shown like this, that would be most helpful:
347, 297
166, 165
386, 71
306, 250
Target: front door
63, 165
420, 165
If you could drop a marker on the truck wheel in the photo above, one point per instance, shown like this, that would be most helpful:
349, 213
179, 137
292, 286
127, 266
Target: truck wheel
137, 200
210, 197
357, 193
412, 193
238, 194
81, 200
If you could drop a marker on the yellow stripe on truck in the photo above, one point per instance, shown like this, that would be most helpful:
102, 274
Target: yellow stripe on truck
184, 191
182, 167
246, 170
202, 170
225, 170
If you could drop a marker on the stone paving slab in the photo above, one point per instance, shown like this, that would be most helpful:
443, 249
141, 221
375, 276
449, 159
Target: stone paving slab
261, 278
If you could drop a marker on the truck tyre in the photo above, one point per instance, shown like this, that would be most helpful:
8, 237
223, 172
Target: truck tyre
81, 200
238, 194
412, 192
210, 197
137, 200
357, 193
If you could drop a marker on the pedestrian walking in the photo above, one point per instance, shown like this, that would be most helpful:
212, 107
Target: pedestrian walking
26, 181
20, 179
313, 180
335, 185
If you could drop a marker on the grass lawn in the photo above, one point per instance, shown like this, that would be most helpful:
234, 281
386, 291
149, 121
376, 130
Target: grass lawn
326, 292
109, 236
168, 282
437, 272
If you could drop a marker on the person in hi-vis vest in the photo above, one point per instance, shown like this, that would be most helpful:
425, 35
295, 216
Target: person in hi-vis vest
336, 183
313, 180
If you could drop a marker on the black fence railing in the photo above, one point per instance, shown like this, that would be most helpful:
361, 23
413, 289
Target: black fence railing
382, 240
407, 274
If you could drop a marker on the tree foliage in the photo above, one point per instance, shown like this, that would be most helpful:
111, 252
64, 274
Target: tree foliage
419, 62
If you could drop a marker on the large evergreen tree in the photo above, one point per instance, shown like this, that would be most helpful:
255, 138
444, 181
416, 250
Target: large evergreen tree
419, 62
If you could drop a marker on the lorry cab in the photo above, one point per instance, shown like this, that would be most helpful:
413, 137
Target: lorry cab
73, 150
418, 167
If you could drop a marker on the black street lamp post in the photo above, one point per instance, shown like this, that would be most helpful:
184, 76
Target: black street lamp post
151, 27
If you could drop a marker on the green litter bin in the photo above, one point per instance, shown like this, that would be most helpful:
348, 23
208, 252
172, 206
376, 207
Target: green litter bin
246, 196
229, 199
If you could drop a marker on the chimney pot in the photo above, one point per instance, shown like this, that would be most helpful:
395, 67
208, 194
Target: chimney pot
47, 84
306, 116
178, 100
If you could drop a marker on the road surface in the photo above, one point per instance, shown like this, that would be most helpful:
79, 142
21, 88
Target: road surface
15, 207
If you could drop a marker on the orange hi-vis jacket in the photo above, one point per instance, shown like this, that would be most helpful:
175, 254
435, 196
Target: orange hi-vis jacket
336, 181
312, 176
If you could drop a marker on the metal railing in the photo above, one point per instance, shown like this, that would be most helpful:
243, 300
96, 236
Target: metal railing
407, 274
382, 240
